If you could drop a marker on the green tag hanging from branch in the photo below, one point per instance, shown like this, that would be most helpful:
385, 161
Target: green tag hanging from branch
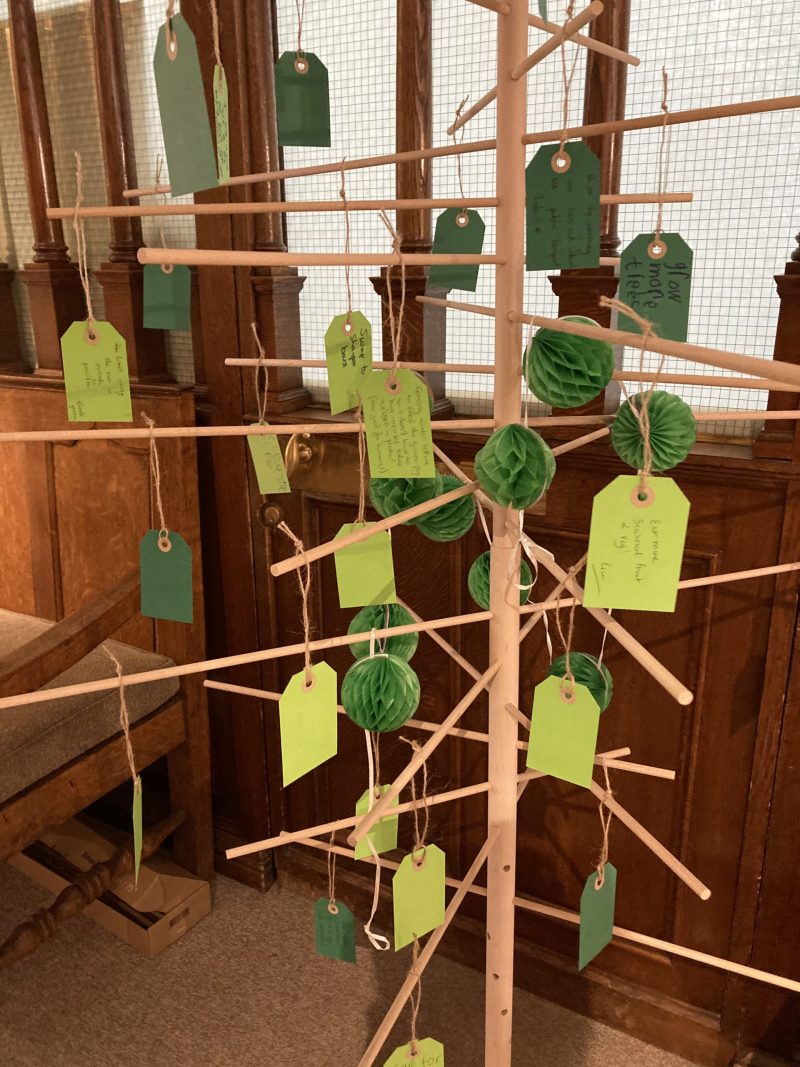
461, 231
543, 10
418, 884
599, 893
348, 355
429, 1053
564, 727
384, 834
655, 280
220, 88
398, 425
334, 929
182, 105
167, 297
365, 570
265, 449
301, 95
562, 208
136, 808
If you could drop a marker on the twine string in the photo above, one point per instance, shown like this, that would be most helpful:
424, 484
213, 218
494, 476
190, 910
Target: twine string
571, 574
378, 941
80, 248
261, 375
605, 822
304, 582
567, 77
530, 548
343, 195
414, 998
332, 875
159, 169
215, 32
459, 159
300, 7
420, 837
124, 717
362, 469
663, 155
155, 482
395, 325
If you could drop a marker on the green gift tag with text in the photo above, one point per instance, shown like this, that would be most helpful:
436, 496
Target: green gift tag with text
165, 568
418, 895
136, 814
384, 834
308, 722
365, 570
397, 420
597, 915
655, 278
220, 86
348, 354
167, 297
334, 931
429, 1053
461, 232
562, 208
265, 451
302, 101
96, 374
185, 125
564, 724
636, 545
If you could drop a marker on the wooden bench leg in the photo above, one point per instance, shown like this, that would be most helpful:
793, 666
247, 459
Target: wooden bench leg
190, 784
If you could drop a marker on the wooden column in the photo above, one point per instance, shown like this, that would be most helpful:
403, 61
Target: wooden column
423, 327
121, 276
777, 439
54, 288
579, 291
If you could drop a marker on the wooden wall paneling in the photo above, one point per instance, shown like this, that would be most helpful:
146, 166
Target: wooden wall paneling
776, 439
11, 361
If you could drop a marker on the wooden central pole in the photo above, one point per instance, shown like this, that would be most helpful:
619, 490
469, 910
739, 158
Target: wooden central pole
512, 48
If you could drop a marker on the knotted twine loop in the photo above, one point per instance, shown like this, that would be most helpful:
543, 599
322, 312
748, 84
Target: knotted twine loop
395, 325
462, 219
261, 366
215, 32
420, 837
332, 908
167, 268
304, 582
348, 322
124, 718
531, 550
414, 998
361, 518
80, 248
571, 574
164, 542
378, 941
605, 822
560, 159
640, 410
170, 39
663, 160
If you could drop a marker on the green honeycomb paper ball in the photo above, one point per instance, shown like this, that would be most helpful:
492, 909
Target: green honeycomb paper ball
380, 692
515, 466
378, 617
586, 671
391, 495
478, 581
565, 370
672, 431
450, 521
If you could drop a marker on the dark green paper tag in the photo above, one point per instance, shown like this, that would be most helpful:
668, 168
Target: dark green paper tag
334, 931
302, 101
543, 10
188, 146
221, 123
453, 235
137, 827
562, 209
597, 915
96, 374
166, 577
655, 278
348, 356
167, 297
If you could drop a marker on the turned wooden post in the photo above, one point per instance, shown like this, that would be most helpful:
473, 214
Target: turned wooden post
777, 439
121, 276
579, 291
54, 288
423, 327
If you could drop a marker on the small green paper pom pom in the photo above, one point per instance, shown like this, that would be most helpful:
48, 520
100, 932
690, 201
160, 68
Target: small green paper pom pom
379, 617
450, 521
672, 431
586, 670
565, 370
515, 466
380, 692
391, 495
478, 581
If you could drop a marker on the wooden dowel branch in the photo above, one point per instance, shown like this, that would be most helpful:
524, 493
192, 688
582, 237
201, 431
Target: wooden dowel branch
562, 34
213, 257
442, 642
378, 810
589, 43
264, 207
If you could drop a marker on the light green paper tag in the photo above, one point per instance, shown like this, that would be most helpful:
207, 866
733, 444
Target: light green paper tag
349, 358
384, 835
451, 235
96, 374
191, 161
334, 931
308, 722
430, 1053
657, 286
302, 101
564, 726
137, 827
418, 895
365, 570
220, 86
562, 210
398, 425
597, 915
636, 547
265, 451
167, 298
166, 577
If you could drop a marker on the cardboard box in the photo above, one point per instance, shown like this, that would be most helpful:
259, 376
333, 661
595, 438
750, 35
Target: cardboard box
149, 916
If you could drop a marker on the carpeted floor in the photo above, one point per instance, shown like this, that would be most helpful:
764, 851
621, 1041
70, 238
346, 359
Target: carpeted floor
246, 988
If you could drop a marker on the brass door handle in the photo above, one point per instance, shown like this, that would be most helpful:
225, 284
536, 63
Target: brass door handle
299, 452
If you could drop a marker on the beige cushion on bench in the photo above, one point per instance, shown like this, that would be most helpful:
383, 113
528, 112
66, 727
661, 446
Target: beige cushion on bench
37, 739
